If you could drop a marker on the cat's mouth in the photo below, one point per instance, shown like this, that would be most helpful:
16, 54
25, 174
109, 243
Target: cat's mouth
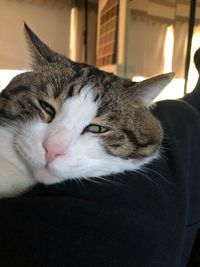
45, 176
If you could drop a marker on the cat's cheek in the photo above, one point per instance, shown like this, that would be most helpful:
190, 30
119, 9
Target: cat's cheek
34, 155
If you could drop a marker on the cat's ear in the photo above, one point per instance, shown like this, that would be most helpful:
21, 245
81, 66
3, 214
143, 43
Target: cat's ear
41, 54
146, 91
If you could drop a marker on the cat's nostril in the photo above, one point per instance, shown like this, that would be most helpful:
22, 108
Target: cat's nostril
52, 150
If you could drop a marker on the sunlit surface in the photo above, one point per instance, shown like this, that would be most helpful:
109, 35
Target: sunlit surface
168, 49
173, 90
176, 88
6, 76
73, 34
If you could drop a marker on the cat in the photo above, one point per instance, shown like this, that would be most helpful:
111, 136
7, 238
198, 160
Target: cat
67, 120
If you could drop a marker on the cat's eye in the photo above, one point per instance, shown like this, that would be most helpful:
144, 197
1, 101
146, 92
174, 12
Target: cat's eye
47, 108
94, 128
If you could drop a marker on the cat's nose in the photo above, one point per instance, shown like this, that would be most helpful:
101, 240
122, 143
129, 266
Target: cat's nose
53, 150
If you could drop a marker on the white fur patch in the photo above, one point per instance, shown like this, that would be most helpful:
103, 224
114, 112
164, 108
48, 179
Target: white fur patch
14, 174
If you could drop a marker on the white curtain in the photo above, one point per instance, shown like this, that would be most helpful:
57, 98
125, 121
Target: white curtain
180, 48
145, 47
149, 21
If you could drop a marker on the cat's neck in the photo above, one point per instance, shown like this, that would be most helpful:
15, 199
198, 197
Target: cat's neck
14, 176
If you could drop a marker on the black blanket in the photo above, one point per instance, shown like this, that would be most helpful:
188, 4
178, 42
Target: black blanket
145, 219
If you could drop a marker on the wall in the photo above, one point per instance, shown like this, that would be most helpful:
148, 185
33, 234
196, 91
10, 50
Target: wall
49, 19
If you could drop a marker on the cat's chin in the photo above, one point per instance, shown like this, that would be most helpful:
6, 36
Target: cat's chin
45, 177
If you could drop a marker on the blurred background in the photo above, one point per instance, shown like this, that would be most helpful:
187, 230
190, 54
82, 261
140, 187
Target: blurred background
135, 39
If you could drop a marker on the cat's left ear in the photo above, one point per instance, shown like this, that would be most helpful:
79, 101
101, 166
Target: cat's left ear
146, 91
41, 54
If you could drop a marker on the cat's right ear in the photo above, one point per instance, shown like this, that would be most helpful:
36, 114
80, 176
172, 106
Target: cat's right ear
41, 54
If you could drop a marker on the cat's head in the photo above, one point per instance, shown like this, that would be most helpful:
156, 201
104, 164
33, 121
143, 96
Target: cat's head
69, 120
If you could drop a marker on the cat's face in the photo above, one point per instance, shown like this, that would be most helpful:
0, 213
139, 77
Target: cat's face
68, 120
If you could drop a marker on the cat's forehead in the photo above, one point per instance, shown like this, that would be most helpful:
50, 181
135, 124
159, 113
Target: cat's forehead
55, 84
62, 82
59, 74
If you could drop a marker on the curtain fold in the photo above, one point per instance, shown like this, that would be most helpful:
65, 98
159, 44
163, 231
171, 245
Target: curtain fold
147, 40
180, 48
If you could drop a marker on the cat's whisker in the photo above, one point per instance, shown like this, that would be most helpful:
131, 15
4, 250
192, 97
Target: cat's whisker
142, 173
169, 142
122, 181
162, 157
109, 180
81, 183
93, 180
99, 180
162, 152
158, 174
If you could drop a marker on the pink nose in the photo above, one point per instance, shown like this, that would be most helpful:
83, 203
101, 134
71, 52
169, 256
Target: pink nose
53, 150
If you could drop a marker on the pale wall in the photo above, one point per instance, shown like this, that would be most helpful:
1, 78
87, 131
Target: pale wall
50, 22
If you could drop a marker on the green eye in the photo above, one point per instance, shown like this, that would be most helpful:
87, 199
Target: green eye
48, 108
93, 128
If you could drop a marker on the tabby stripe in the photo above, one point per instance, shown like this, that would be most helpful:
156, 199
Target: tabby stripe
115, 145
96, 98
71, 91
5, 95
80, 89
20, 89
102, 109
74, 77
3, 114
133, 139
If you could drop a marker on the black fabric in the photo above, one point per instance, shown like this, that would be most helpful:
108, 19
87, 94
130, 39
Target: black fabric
145, 219
195, 254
